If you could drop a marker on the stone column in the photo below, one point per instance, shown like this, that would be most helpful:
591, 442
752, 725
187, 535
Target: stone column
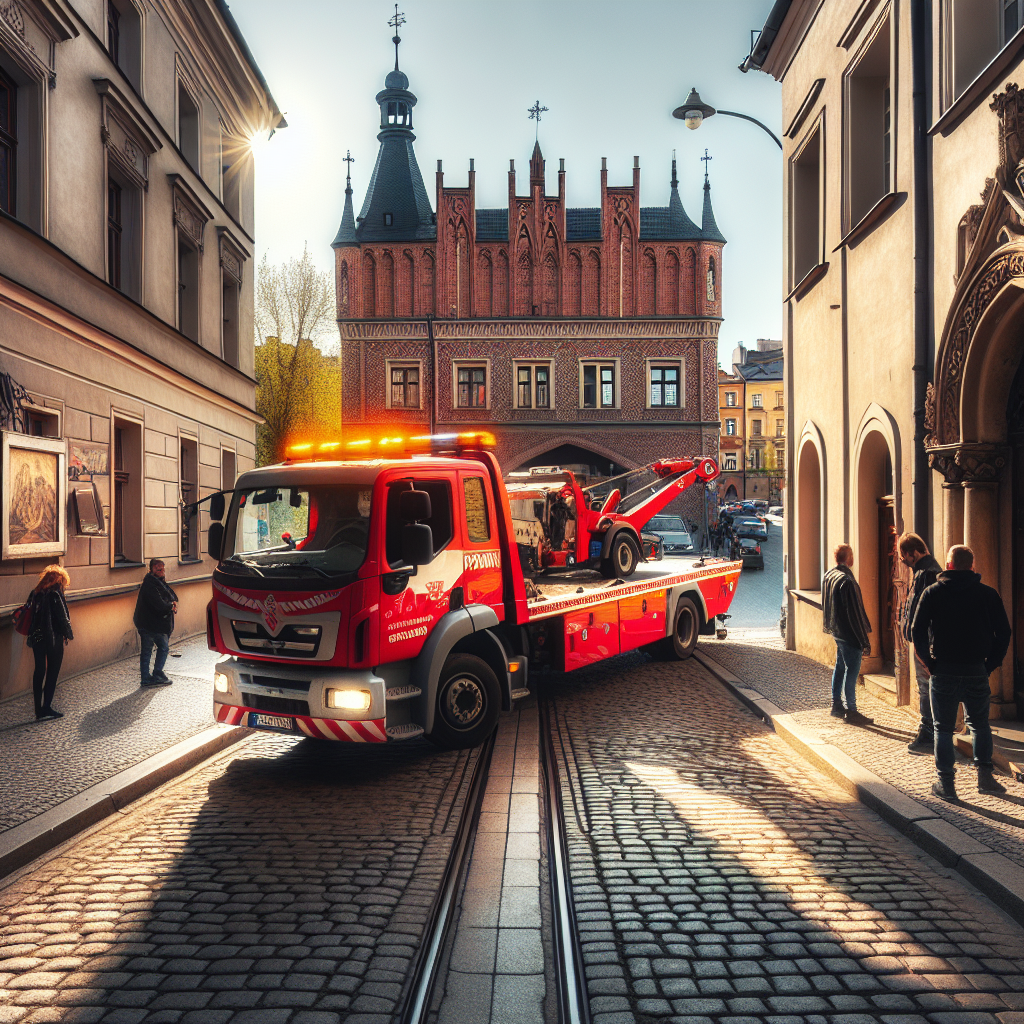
953, 517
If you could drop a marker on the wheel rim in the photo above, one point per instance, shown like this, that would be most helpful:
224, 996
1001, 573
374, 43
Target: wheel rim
625, 560
464, 702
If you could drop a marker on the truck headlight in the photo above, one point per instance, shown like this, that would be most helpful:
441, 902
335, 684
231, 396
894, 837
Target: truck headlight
348, 700
221, 683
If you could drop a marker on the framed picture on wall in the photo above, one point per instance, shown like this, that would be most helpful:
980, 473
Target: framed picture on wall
34, 492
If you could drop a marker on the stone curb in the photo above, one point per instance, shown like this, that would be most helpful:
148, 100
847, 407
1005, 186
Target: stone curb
31, 839
995, 875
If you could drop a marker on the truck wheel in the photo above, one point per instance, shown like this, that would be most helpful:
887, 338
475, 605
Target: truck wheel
685, 629
623, 560
468, 703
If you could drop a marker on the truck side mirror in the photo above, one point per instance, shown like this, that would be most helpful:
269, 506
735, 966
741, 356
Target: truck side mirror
217, 506
417, 543
414, 506
215, 540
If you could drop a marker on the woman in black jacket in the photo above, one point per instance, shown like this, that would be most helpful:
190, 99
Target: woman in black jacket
48, 635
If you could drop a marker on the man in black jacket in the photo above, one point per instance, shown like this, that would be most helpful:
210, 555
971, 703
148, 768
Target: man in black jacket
961, 633
914, 554
844, 619
154, 619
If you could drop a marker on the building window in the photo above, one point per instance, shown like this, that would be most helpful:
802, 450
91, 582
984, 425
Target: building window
472, 387
599, 386
755, 428
533, 386
805, 207
127, 512
228, 469
124, 39
114, 229
188, 471
730, 427
405, 387
229, 318
389, 219
664, 386
188, 126
730, 398
869, 128
188, 288
778, 399
8, 143
780, 428
755, 456
756, 401
113, 32
730, 463
41, 422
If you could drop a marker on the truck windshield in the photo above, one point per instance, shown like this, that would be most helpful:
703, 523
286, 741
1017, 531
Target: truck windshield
294, 532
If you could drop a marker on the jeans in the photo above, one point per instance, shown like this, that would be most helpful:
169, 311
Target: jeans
924, 694
844, 675
149, 641
44, 678
948, 692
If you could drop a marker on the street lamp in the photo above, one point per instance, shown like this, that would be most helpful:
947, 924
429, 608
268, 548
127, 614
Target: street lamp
694, 112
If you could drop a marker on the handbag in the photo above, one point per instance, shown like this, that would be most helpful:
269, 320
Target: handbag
22, 618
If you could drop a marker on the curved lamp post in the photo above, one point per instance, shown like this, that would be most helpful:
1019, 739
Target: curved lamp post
694, 112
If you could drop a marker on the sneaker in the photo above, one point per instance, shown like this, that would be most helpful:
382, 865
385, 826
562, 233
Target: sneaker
155, 681
838, 711
923, 743
945, 790
854, 717
987, 782
161, 677
48, 713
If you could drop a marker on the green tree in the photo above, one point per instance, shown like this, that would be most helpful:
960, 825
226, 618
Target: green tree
298, 370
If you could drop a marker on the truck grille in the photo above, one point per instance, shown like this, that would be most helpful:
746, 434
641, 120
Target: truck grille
294, 641
299, 685
282, 705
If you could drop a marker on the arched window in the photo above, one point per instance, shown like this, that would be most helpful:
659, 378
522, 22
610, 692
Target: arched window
711, 285
343, 287
369, 285
809, 527
647, 304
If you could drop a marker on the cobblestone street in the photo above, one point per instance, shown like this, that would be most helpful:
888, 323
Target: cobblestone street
279, 878
717, 876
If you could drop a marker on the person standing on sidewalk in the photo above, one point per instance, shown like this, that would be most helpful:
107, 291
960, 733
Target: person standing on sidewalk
844, 619
914, 553
961, 633
154, 619
48, 636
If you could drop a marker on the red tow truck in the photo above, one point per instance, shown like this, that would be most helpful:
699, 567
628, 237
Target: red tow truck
373, 592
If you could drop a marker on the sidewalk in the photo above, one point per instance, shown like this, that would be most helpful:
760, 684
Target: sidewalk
796, 696
110, 724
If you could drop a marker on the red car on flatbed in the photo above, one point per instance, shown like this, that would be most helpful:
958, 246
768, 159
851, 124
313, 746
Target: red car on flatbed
381, 597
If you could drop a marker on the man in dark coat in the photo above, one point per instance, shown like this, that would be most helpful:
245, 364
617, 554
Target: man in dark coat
914, 553
961, 633
844, 619
154, 619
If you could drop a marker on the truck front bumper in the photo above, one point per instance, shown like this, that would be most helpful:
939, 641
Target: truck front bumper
294, 700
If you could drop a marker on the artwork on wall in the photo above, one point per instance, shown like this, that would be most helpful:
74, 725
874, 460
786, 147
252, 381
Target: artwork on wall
87, 460
34, 487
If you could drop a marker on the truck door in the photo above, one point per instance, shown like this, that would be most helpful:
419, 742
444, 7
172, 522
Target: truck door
481, 578
412, 600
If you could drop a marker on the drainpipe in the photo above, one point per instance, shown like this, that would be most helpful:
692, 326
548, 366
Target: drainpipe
433, 373
919, 34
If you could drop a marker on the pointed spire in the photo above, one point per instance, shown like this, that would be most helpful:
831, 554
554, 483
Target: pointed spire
680, 225
537, 166
347, 232
396, 23
709, 229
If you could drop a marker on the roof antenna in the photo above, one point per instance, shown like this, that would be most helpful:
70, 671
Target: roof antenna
396, 23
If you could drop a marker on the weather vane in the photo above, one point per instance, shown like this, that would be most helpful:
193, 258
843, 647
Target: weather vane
350, 160
535, 111
706, 160
396, 23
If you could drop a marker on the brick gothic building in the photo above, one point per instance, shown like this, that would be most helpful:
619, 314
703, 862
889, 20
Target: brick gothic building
584, 337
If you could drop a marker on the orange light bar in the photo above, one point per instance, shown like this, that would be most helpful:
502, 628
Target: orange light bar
395, 445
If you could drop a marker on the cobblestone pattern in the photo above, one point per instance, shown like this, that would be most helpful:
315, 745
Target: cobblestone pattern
718, 878
798, 684
110, 723
286, 880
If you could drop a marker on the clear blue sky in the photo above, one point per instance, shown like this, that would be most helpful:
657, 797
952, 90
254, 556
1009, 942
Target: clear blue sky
610, 72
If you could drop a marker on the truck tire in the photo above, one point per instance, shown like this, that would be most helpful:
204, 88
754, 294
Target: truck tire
685, 629
468, 703
623, 559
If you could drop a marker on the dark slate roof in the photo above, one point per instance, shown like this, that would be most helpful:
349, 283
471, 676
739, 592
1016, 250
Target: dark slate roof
709, 229
347, 232
492, 225
772, 370
396, 187
582, 224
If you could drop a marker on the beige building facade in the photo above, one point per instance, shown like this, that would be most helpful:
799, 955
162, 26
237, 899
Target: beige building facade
126, 302
904, 312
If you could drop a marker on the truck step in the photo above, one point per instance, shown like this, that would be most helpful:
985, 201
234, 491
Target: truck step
404, 732
402, 692
523, 691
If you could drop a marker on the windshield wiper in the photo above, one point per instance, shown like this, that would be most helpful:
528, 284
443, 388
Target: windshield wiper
242, 568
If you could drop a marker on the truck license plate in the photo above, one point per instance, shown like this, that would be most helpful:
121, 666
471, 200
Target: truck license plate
258, 721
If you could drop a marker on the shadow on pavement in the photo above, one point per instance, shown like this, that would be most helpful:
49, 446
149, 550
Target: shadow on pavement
111, 718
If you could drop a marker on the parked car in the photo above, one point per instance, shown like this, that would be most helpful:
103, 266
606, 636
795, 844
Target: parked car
672, 530
775, 510
750, 553
750, 526
653, 545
